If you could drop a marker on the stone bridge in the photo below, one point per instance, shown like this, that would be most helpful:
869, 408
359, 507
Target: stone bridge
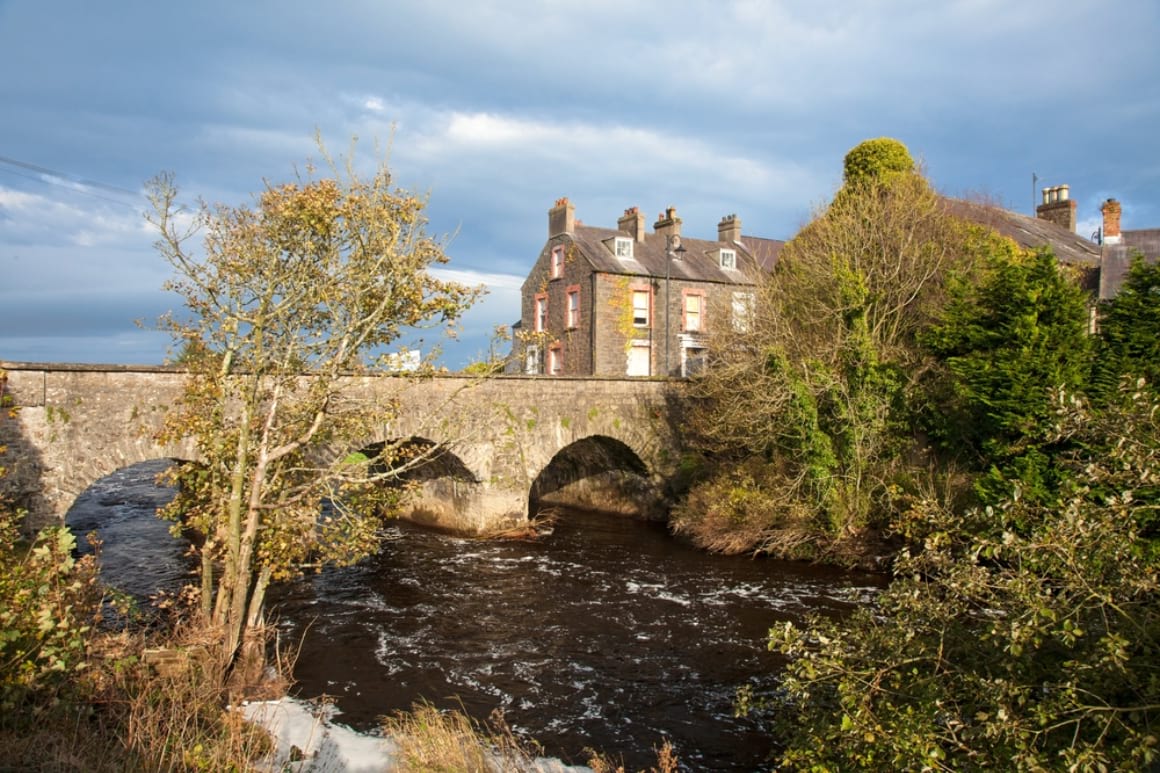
510, 441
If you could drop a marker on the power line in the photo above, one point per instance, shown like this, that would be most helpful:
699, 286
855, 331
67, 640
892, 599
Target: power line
78, 184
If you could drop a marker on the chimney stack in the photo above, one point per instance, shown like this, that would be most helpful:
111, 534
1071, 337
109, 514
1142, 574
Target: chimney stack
1057, 207
562, 218
729, 229
1111, 212
668, 223
632, 223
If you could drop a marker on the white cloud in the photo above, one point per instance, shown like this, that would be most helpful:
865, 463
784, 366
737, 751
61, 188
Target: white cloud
18, 200
613, 152
66, 219
493, 282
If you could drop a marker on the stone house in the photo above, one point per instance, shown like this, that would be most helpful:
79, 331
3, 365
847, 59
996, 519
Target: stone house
628, 302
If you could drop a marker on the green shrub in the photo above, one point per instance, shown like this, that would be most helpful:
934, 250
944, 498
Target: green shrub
997, 648
876, 159
48, 600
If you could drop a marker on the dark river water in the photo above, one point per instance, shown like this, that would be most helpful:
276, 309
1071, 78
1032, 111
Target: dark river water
607, 634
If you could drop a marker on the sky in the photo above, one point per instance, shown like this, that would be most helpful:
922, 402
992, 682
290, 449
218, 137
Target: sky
496, 108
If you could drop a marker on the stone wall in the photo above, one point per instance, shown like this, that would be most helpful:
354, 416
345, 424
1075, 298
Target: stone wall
76, 424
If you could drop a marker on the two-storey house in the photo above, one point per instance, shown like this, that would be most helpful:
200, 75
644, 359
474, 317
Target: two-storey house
628, 302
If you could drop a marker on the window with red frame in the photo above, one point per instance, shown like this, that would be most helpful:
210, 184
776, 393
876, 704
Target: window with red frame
641, 301
555, 359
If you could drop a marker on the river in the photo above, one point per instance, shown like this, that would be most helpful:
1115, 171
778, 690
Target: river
607, 634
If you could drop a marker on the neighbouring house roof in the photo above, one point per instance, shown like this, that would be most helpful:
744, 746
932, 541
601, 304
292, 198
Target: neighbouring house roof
1031, 232
699, 262
1117, 258
1146, 241
764, 251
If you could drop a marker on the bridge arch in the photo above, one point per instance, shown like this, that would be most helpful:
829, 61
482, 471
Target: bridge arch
597, 472
444, 487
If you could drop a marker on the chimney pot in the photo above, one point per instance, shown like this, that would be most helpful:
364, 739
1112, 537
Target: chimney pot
729, 229
632, 223
1057, 207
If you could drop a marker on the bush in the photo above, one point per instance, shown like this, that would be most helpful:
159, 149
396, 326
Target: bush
876, 159
48, 603
998, 648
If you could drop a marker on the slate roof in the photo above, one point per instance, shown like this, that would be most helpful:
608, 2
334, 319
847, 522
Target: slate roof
1031, 232
700, 262
765, 251
1145, 240
1118, 258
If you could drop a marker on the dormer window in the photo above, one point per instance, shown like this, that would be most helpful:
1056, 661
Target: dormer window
623, 248
729, 259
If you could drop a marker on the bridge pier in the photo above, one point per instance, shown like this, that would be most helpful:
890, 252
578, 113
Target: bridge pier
471, 508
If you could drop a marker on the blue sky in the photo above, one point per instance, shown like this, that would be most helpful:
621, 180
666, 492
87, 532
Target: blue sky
500, 107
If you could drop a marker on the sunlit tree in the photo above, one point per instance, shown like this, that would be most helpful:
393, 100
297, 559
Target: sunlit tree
286, 300
810, 405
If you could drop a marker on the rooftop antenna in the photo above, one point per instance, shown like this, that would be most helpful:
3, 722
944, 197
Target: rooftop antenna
1034, 191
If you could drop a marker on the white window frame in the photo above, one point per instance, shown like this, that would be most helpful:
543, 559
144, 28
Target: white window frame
572, 307
743, 303
557, 261
700, 314
636, 319
729, 259
689, 359
540, 313
643, 351
532, 360
555, 360
622, 248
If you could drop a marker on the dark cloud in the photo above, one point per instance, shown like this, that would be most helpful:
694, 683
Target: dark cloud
499, 107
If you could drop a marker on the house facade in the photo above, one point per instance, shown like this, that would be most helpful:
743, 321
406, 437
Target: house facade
625, 301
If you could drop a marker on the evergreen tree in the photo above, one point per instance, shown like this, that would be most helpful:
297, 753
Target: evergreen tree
1008, 342
1129, 340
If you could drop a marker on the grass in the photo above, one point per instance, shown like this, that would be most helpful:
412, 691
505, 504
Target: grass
123, 714
433, 741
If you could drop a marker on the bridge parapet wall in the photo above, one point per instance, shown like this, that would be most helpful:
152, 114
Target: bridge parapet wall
78, 423
75, 424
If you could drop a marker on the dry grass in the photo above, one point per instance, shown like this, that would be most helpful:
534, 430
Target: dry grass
666, 762
126, 711
434, 741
